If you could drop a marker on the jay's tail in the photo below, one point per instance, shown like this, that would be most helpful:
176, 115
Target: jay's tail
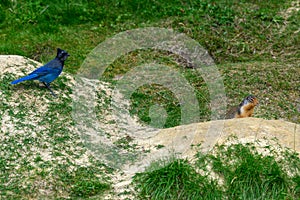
25, 78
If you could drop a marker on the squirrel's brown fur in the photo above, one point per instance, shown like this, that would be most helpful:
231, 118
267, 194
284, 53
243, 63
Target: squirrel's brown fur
245, 108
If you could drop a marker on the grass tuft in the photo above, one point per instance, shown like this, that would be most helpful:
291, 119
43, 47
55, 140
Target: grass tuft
175, 180
232, 171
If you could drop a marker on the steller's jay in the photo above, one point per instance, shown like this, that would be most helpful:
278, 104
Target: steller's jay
49, 72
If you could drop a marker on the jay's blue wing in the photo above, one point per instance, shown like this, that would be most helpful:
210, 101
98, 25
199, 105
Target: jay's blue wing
49, 72
35, 75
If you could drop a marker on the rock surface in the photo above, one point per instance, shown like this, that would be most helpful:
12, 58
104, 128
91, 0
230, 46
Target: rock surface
287, 133
178, 140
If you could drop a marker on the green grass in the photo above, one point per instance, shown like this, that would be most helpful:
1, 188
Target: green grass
235, 171
275, 83
231, 31
41, 156
254, 43
251, 176
175, 179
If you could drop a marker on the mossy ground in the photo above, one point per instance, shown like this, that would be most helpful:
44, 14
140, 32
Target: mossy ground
254, 44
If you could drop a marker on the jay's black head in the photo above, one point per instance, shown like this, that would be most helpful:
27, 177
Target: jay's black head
62, 55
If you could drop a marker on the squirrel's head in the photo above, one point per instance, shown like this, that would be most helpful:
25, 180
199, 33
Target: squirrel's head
250, 99
246, 108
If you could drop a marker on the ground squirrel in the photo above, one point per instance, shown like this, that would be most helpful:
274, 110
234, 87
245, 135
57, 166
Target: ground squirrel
245, 109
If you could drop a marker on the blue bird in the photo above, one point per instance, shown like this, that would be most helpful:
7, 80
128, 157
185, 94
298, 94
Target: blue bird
49, 72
